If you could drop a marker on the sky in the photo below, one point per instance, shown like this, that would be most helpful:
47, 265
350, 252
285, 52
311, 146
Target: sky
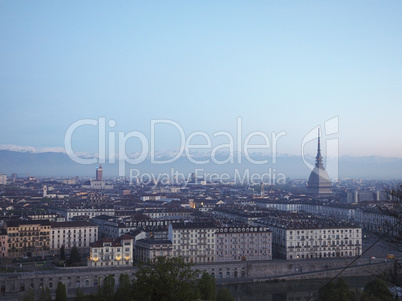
277, 66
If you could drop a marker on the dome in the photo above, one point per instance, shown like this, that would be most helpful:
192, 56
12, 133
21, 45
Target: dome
318, 182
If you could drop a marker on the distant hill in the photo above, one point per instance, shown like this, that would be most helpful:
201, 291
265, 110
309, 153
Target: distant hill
59, 164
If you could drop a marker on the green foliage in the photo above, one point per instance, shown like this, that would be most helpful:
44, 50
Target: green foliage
29, 295
61, 294
80, 296
377, 290
224, 295
206, 287
335, 292
62, 253
123, 292
107, 289
75, 257
167, 279
45, 294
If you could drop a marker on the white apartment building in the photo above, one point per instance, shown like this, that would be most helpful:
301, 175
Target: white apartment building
110, 252
193, 241
77, 233
244, 243
314, 239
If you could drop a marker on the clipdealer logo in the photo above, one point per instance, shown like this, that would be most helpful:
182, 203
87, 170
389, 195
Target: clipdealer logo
112, 147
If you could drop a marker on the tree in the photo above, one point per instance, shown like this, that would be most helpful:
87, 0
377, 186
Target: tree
335, 292
206, 287
106, 291
123, 292
45, 294
80, 296
74, 257
224, 295
377, 290
61, 294
62, 253
29, 295
167, 279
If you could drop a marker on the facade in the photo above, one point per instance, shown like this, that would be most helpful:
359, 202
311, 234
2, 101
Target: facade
318, 182
47, 216
28, 238
238, 215
370, 219
3, 243
194, 242
243, 244
3, 179
164, 213
90, 211
78, 234
110, 252
358, 196
94, 184
149, 249
379, 222
314, 239
99, 173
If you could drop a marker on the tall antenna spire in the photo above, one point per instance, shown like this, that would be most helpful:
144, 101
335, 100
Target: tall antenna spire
318, 159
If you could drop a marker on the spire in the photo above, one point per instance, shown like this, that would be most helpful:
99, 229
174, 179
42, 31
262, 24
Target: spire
318, 159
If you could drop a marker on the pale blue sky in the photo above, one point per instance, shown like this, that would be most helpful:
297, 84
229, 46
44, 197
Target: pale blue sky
279, 65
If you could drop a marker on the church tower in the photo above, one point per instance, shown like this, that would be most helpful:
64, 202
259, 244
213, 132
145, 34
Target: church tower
318, 182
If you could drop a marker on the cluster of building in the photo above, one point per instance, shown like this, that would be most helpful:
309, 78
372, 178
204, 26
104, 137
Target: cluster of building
116, 223
41, 238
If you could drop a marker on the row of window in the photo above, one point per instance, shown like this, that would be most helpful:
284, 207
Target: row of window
325, 231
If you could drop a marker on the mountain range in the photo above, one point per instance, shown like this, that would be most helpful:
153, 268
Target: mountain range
42, 164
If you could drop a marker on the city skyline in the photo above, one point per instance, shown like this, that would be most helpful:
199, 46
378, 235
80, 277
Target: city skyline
280, 67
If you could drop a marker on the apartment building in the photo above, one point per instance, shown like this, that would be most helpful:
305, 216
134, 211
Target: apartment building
193, 241
313, 238
69, 234
243, 243
28, 238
